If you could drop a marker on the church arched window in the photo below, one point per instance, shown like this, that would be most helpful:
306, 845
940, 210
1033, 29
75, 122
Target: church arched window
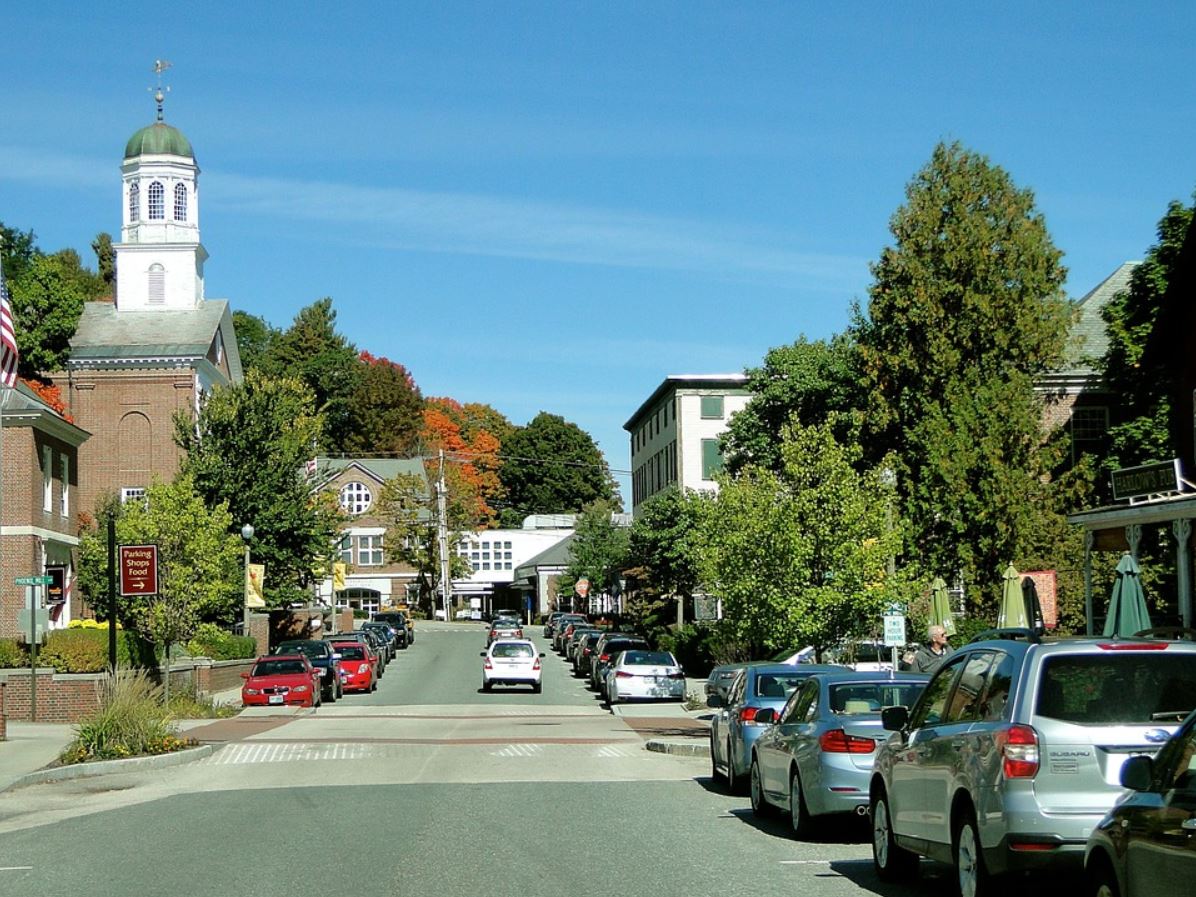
180, 202
134, 203
157, 283
157, 201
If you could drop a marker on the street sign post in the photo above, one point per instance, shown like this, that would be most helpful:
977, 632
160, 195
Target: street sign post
138, 566
34, 620
894, 636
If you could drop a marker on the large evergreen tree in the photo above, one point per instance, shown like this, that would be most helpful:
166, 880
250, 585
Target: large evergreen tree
255, 335
965, 309
552, 466
387, 409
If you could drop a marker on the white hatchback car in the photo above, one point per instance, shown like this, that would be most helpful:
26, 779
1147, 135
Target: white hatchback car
652, 675
510, 661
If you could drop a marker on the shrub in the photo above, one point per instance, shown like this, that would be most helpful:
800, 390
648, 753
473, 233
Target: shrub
188, 704
12, 654
85, 650
131, 722
212, 641
695, 646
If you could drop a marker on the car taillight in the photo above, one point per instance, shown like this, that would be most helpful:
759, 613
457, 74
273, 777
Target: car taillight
487, 665
836, 741
518, 633
603, 658
536, 665
1019, 747
587, 650
1133, 646
622, 674
747, 716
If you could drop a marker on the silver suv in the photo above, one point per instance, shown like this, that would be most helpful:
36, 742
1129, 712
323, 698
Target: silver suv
1013, 753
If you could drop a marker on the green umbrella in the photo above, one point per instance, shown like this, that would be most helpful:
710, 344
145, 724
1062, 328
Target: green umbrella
940, 607
1012, 614
1127, 606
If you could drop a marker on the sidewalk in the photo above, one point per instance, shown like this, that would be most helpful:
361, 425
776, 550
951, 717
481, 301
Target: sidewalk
30, 747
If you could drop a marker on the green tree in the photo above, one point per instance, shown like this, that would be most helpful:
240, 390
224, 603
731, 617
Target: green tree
965, 310
17, 250
255, 336
552, 466
812, 380
47, 300
799, 556
598, 551
311, 350
387, 409
1139, 367
105, 258
199, 561
247, 450
664, 544
407, 506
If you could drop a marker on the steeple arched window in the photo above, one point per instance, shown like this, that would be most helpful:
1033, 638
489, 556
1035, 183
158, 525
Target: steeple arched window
134, 203
180, 202
157, 201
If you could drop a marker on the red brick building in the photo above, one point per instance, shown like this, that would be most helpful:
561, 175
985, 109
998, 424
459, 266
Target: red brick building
40, 465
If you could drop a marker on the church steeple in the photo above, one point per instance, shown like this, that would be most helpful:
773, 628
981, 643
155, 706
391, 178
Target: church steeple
159, 261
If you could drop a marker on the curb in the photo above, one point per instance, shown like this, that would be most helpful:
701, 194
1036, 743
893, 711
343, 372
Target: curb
684, 748
112, 767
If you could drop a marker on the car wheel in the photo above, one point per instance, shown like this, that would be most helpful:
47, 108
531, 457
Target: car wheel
973, 878
892, 863
800, 822
1101, 879
760, 805
340, 688
331, 696
536, 688
373, 684
316, 700
487, 686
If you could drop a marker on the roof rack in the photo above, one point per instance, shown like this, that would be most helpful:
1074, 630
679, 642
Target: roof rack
1033, 636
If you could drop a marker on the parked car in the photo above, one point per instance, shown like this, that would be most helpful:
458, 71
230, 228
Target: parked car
645, 675
608, 646
734, 727
1146, 845
323, 657
1012, 755
504, 629
398, 621
550, 623
817, 758
865, 656
583, 656
721, 679
511, 661
359, 669
575, 637
564, 628
281, 679
363, 639
386, 633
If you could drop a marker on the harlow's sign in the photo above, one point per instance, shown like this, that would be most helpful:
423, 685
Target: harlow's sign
1159, 478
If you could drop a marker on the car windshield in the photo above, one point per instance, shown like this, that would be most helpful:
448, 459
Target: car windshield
777, 685
509, 650
1117, 687
872, 697
279, 667
351, 652
615, 647
311, 649
649, 658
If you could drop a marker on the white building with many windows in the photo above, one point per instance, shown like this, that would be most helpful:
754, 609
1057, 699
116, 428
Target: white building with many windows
496, 554
675, 433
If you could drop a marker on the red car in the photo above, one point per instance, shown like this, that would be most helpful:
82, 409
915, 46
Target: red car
359, 666
281, 679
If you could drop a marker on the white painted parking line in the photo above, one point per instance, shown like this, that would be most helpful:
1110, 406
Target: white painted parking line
519, 750
15, 868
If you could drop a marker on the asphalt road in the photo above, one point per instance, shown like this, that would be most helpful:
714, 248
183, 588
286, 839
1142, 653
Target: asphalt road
430, 788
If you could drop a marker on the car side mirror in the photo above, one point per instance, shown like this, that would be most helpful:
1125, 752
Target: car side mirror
542, 654
483, 654
893, 719
766, 715
245, 675
1137, 773
715, 701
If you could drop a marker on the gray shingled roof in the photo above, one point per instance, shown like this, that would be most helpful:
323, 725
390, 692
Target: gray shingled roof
382, 468
1088, 339
104, 333
558, 555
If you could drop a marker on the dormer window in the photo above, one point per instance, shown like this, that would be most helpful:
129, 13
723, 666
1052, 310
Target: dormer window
157, 201
180, 202
355, 498
134, 203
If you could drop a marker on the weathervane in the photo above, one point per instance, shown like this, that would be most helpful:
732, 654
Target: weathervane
160, 65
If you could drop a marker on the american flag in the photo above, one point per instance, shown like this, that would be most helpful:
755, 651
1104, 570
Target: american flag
8, 338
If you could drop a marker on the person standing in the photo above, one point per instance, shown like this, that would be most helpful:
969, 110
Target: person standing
931, 655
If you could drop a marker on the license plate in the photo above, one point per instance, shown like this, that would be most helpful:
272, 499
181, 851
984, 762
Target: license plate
275, 699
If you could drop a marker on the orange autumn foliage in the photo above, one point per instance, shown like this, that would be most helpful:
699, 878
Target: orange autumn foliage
473, 458
50, 395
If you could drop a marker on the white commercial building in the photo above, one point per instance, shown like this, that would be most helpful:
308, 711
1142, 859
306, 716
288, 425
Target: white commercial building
675, 433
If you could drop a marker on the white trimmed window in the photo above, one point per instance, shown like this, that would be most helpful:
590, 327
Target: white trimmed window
47, 479
157, 201
369, 551
355, 498
132, 493
64, 497
180, 202
345, 549
134, 203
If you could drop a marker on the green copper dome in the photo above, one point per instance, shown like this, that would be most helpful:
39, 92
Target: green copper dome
159, 139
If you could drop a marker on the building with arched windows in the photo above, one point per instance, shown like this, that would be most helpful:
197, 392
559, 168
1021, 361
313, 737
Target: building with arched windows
160, 344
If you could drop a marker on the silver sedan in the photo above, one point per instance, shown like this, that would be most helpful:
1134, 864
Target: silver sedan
817, 757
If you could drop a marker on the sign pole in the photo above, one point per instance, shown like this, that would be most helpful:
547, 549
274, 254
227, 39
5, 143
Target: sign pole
31, 600
112, 593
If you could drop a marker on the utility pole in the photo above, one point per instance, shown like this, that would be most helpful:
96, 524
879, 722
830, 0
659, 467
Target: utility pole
446, 585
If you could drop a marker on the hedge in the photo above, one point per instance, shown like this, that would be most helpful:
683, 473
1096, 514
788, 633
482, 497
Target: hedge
79, 651
212, 641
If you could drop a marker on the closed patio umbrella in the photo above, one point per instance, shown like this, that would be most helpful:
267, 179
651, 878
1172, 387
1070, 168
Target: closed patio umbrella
1033, 605
1127, 605
1012, 612
940, 607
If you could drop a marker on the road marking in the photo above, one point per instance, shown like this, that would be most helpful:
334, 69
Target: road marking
15, 868
805, 862
519, 750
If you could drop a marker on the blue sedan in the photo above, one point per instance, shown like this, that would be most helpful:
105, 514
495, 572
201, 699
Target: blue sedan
757, 686
817, 758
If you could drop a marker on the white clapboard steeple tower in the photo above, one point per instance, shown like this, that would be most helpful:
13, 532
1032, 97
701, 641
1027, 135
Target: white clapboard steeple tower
159, 260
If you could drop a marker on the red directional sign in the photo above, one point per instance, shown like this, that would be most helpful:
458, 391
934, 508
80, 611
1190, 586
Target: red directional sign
138, 570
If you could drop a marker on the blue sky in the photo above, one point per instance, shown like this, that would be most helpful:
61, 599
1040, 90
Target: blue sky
552, 206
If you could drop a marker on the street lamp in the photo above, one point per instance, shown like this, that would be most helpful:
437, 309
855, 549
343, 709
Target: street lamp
247, 535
